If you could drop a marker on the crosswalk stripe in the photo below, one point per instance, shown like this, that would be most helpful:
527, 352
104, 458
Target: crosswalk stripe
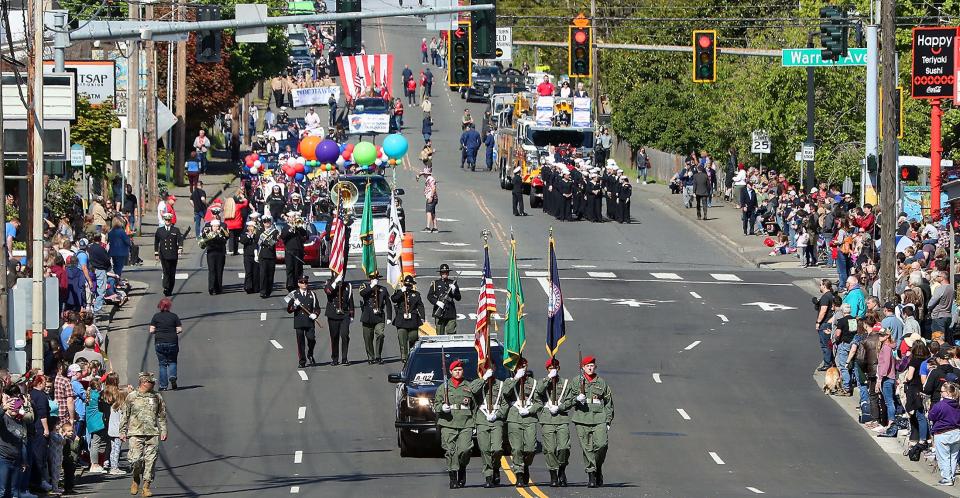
716, 458
180, 276
726, 277
532, 273
241, 275
471, 273
666, 276
602, 274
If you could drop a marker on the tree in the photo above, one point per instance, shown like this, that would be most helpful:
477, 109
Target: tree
92, 130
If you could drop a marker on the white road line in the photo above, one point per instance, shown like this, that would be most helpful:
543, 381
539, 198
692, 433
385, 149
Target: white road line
716, 458
666, 276
464, 265
583, 266
726, 277
755, 490
546, 290
276, 344
602, 274
471, 273
656, 378
298, 457
263, 317
352, 267
180, 276
536, 273
723, 318
692, 345
437, 249
301, 413
241, 275
695, 295
683, 414
303, 375
294, 490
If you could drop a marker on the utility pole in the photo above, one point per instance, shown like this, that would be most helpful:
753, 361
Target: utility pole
133, 112
595, 87
4, 325
36, 186
180, 140
888, 171
150, 134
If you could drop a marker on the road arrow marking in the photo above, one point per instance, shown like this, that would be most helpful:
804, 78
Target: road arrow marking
754, 490
770, 306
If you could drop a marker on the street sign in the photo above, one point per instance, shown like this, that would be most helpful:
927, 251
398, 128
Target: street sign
760, 142
804, 57
124, 143
807, 152
255, 12
504, 50
77, 153
933, 75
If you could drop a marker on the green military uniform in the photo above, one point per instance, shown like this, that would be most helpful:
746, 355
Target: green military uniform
408, 316
456, 426
555, 428
143, 422
592, 415
522, 428
490, 433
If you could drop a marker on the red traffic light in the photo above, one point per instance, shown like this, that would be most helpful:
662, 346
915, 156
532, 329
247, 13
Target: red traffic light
580, 36
459, 33
704, 41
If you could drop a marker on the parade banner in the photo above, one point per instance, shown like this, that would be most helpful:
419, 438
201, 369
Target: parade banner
544, 114
318, 95
381, 234
360, 72
581, 112
369, 123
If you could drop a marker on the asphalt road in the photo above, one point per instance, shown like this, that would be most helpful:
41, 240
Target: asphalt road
714, 395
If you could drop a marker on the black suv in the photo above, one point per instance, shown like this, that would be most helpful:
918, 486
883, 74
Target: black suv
482, 81
416, 421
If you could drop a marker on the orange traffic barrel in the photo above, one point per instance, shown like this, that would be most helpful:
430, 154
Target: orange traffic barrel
406, 255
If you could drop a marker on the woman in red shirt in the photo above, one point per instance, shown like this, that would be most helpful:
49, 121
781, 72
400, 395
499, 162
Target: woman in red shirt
235, 223
411, 87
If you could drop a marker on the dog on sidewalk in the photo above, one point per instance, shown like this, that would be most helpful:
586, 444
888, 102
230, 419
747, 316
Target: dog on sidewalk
831, 381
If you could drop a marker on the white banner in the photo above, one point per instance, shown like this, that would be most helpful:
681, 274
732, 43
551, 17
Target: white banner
369, 123
581, 112
381, 232
544, 110
95, 79
318, 95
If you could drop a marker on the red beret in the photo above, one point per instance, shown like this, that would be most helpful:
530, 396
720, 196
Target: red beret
587, 360
455, 364
552, 362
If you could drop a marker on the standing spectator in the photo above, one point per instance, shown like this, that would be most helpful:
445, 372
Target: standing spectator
427, 83
545, 88
201, 145
76, 298
63, 393
119, 244
276, 85
604, 143
199, 200
41, 433
426, 128
130, 206
96, 425
824, 322
100, 262
411, 87
855, 297
166, 206
424, 50
99, 214
430, 193
166, 328
642, 162
233, 219
10, 234
919, 428
887, 380
144, 423
332, 105
113, 397
193, 170
13, 439
89, 352
940, 304
945, 424
748, 205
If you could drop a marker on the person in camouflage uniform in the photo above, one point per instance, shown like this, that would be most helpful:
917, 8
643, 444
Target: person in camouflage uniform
143, 424
592, 416
489, 417
522, 421
558, 395
453, 404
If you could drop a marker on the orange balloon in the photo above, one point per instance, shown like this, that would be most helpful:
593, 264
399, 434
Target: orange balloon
308, 147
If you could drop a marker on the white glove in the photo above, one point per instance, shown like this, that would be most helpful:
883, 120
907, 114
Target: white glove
445, 408
581, 398
453, 287
374, 282
608, 427
554, 409
296, 302
520, 373
552, 373
524, 411
440, 304
488, 374
389, 321
313, 316
491, 417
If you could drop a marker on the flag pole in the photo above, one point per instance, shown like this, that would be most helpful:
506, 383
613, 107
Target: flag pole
485, 233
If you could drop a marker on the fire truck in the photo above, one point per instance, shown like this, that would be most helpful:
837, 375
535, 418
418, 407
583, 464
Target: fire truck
523, 141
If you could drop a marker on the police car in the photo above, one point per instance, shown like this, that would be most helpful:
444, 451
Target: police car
417, 384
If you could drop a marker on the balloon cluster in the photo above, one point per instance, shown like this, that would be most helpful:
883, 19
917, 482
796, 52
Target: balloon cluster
252, 165
326, 155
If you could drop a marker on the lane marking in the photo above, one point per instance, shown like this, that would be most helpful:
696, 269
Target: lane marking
536, 273
351, 267
583, 266
303, 375
294, 490
301, 413
695, 295
716, 458
602, 274
437, 249
471, 273
454, 244
546, 290
513, 478
263, 317
656, 378
683, 414
276, 344
692, 345
723, 318
666, 276
180, 276
726, 277
464, 265
298, 456
755, 490
241, 275
448, 220
428, 329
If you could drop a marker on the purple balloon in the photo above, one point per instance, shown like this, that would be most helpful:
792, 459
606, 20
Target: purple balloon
327, 151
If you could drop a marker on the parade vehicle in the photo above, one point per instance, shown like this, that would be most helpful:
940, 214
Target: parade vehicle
316, 250
301, 58
380, 196
481, 83
416, 422
371, 105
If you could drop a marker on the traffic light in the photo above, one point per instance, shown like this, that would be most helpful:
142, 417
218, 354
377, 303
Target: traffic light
704, 56
579, 56
459, 58
483, 26
208, 42
834, 31
349, 32
909, 173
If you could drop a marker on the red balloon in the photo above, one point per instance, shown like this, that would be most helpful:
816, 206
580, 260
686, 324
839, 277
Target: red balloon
298, 168
346, 155
308, 147
348, 148
249, 161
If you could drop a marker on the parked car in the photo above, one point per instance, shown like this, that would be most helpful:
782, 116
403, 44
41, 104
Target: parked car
380, 194
316, 250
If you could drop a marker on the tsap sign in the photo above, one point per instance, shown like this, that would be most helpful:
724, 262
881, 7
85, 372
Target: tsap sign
96, 80
934, 62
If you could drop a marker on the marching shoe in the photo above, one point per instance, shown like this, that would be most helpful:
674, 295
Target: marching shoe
553, 479
519, 479
462, 477
489, 482
592, 476
562, 476
453, 479
311, 360
496, 476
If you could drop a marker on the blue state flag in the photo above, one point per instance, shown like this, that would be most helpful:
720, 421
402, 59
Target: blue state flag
556, 327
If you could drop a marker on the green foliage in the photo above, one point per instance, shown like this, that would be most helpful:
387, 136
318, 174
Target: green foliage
60, 195
92, 130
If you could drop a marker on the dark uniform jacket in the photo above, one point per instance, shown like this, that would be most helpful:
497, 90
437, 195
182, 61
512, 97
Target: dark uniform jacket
374, 304
166, 242
439, 293
339, 301
249, 243
701, 183
408, 307
293, 239
215, 243
267, 243
309, 304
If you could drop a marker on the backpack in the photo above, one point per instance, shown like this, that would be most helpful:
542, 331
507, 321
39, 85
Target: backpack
861, 355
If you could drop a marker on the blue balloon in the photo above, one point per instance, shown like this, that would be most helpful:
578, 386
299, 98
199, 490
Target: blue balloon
306, 168
343, 147
395, 146
299, 177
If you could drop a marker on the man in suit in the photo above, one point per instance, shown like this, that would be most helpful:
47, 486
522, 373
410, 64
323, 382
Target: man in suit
167, 246
701, 189
748, 204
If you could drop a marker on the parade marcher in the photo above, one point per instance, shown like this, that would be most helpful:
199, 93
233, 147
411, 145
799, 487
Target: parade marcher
408, 315
565, 213
266, 255
592, 416
490, 142
213, 239
558, 396
375, 312
294, 235
442, 295
339, 312
275, 203
143, 424
517, 193
520, 393
489, 418
595, 197
469, 145
623, 200
251, 268
167, 246
304, 305
454, 405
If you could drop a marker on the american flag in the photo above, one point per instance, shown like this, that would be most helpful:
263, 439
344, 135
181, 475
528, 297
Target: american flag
486, 307
338, 245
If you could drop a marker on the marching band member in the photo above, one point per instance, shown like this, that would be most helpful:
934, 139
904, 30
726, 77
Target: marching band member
267, 255
304, 305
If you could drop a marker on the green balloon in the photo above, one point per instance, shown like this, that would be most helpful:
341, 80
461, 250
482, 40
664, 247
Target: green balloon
364, 153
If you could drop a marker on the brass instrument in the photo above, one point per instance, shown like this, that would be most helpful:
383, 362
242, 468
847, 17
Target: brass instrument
209, 232
344, 192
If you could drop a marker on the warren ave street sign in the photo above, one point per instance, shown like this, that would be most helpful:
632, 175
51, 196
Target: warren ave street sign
803, 57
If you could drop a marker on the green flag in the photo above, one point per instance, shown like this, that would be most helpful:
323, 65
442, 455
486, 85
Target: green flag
514, 335
369, 263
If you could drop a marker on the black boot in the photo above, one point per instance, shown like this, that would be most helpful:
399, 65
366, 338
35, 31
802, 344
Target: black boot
453, 479
519, 479
599, 477
496, 476
553, 479
592, 480
526, 475
562, 476
462, 476
489, 482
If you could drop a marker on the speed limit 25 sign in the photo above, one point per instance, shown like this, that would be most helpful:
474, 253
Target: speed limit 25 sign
760, 142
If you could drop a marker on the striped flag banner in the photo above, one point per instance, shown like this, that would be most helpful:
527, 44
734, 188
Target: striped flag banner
359, 72
394, 245
486, 307
338, 242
